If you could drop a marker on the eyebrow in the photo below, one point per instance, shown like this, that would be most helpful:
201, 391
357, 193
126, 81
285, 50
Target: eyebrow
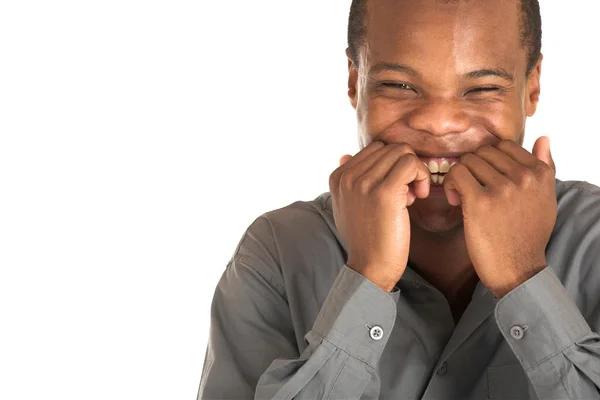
481, 73
499, 72
385, 66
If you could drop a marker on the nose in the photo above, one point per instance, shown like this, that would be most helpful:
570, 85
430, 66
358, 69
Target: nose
439, 117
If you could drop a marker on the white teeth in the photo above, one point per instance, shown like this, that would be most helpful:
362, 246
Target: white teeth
441, 179
453, 164
444, 166
434, 178
433, 167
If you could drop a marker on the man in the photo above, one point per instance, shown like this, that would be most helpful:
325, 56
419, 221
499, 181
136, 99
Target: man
446, 262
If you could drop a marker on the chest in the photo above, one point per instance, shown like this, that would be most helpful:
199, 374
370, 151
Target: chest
429, 360
430, 357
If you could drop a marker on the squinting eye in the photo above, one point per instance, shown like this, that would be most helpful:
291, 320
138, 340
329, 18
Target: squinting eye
402, 86
483, 89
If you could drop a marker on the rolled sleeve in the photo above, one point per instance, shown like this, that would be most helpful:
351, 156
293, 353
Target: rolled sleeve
351, 314
539, 319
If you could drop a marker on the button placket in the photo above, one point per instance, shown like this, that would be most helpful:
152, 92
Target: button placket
443, 369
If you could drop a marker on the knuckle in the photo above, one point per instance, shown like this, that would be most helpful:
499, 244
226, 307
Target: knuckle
410, 160
333, 180
364, 185
456, 170
372, 147
464, 158
506, 190
405, 148
377, 143
504, 144
526, 177
380, 194
401, 147
347, 180
484, 149
383, 194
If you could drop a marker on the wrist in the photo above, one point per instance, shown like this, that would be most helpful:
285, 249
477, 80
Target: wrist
509, 285
385, 286
377, 277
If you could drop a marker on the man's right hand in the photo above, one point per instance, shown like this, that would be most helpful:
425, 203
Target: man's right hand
371, 193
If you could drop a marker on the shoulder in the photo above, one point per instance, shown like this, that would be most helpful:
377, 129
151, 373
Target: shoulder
300, 221
289, 236
577, 228
578, 203
574, 247
568, 190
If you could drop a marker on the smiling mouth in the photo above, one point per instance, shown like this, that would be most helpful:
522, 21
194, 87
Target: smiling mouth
439, 167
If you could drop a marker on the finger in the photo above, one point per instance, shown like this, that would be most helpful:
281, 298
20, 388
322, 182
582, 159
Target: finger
422, 181
361, 155
460, 185
361, 171
409, 169
541, 149
453, 197
410, 197
380, 169
498, 160
382, 162
345, 158
364, 153
485, 174
525, 158
518, 153
334, 178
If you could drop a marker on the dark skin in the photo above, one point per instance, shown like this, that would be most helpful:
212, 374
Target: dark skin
438, 80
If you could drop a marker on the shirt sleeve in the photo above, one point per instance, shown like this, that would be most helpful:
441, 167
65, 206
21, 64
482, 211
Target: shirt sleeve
252, 350
552, 340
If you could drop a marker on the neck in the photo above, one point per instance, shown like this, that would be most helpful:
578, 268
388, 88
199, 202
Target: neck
443, 260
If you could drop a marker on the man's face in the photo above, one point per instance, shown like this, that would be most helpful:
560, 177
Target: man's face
431, 75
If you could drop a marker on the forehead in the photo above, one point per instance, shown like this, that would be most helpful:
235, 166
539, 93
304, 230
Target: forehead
446, 33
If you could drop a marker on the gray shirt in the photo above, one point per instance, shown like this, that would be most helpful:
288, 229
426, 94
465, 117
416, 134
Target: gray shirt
289, 320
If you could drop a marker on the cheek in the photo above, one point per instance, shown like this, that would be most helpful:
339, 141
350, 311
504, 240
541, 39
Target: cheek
378, 115
502, 118
505, 120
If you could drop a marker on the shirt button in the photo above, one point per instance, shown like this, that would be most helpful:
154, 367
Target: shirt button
443, 369
376, 333
517, 332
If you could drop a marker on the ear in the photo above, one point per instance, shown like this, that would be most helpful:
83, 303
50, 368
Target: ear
533, 88
352, 80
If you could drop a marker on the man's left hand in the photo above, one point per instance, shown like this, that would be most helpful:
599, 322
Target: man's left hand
508, 199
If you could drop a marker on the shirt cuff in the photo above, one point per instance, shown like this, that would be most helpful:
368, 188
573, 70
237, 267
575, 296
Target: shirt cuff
539, 319
357, 316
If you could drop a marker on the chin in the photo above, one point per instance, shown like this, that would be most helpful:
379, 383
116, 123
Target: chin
435, 215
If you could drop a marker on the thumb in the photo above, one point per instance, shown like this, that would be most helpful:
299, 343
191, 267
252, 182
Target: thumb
541, 149
345, 158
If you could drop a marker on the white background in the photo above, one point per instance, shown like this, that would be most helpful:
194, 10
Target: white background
139, 139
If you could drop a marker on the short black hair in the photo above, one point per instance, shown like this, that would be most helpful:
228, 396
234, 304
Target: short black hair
529, 14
